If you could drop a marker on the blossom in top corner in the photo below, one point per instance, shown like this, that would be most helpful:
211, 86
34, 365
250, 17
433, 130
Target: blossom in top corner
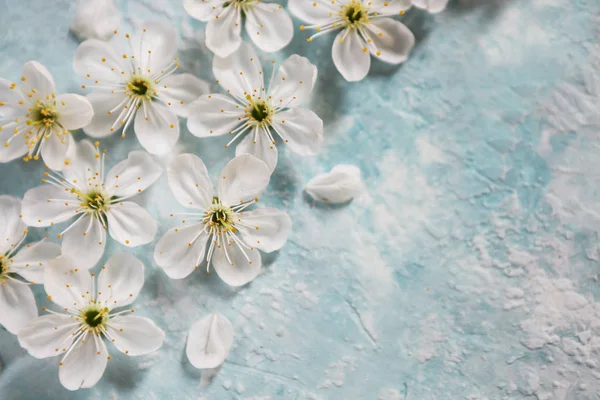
268, 24
433, 6
134, 82
365, 30
35, 121
95, 19
97, 200
257, 114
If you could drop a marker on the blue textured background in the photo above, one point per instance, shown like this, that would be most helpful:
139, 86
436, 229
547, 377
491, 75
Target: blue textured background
468, 269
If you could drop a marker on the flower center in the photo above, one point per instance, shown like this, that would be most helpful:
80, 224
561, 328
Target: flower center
42, 114
94, 316
354, 12
96, 201
220, 216
3, 268
140, 87
258, 111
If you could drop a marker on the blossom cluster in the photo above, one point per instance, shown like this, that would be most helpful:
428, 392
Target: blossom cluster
132, 85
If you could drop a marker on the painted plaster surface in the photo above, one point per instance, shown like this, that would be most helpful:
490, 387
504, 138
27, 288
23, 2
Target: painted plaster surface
466, 269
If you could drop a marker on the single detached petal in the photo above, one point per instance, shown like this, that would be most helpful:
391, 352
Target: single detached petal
433, 6
17, 304
66, 284
265, 228
133, 175
74, 111
100, 61
190, 183
181, 90
236, 267
107, 109
31, 261
351, 56
154, 46
223, 31
47, 205
240, 72
314, 12
181, 250
134, 335
159, 133
97, 19
261, 148
214, 115
48, 335
37, 79
12, 228
338, 186
55, 150
392, 40
84, 365
390, 7
203, 10
84, 241
209, 341
120, 280
301, 129
293, 82
130, 224
269, 26
244, 178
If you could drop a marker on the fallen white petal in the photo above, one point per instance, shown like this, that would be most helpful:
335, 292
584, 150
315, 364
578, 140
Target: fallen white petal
337, 186
209, 341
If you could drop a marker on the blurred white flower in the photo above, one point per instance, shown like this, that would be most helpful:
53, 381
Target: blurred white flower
433, 6
95, 19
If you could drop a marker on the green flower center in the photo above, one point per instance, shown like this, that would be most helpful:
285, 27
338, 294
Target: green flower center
140, 87
93, 316
258, 111
95, 201
354, 12
43, 114
220, 216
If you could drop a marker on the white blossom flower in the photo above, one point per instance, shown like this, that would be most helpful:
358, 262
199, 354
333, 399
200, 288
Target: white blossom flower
267, 24
433, 6
96, 19
338, 186
97, 200
20, 266
88, 317
34, 120
365, 30
138, 85
261, 113
219, 218
209, 341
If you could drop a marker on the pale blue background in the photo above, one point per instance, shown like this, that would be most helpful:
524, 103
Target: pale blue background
468, 268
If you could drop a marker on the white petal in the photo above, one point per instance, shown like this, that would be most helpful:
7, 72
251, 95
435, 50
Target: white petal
392, 39
31, 261
223, 32
240, 72
133, 175
55, 150
349, 56
134, 335
103, 119
159, 133
338, 186
85, 242
269, 26
96, 19
12, 227
301, 129
17, 304
214, 115
17, 147
209, 341
234, 268
38, 78
84, 365
85, 168
262, 148
389, 6
267, 229
293, 82
74, 111
189, 181
243, 178
154, 45
100, 61
130, 224
38, 211
314, 12
66, 284
11, 95
120, 280
203, 10
42, 336
174, 254
433, 6
181, 90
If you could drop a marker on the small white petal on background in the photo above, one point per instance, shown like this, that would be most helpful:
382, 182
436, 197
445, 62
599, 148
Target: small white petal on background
209, 341
96, 19
337, 186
